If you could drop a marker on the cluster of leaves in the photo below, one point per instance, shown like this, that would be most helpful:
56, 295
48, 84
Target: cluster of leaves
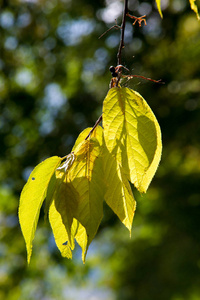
100, 166
167, 217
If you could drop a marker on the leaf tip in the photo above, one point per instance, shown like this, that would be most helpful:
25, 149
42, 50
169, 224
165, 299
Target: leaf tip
84, 253
29, 252
158, 3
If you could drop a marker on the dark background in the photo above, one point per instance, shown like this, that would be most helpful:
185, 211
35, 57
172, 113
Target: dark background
54, 75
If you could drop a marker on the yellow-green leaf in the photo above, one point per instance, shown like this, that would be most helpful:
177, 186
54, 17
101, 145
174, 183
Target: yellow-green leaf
32, 197
82, 240
65, 243
194, 8
65, 227
118, 195
81, 138
49, 195
86, 176
65, 199
59, 231
78, 196
132, 135
158, 2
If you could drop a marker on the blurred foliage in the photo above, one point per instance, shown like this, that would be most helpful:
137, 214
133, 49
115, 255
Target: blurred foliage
53, 78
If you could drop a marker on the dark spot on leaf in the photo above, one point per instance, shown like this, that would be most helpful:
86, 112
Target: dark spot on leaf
33, 178
65, 244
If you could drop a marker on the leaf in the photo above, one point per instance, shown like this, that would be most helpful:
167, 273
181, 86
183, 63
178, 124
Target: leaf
64, 226
118, 195
32, 197
59, 231
81, 139
78, 196
49, 196
86, 177
65, 200
158, 2
194, 8
132, 135
82, 240
65, 196
63, 242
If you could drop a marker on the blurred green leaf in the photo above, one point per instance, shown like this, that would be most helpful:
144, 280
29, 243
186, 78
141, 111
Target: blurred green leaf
194, 8
158, 2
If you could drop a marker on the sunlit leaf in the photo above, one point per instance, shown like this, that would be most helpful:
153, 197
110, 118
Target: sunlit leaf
81, 235
158, 2
65, 227
194, 8
82, 240
132, 135
32, 197
118, 195
78, 196
81, 138
49, 195
65, 243
59, 231
86, 176
65, 199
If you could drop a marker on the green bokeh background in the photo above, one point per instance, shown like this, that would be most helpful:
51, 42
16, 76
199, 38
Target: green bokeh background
54, 75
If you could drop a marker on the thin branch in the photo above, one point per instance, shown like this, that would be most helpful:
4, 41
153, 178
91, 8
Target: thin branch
117, 27
121, 45
93, 128
142, 77
116, 71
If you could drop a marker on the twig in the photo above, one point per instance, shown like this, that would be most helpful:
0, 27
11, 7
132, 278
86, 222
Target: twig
116, 71
93, 128
121, 45
142, 77
114, 26
119, 54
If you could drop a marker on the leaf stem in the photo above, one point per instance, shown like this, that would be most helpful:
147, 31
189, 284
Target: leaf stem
93, 128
